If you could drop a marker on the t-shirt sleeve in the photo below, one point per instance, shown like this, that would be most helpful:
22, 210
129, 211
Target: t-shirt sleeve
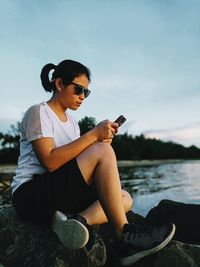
37, 124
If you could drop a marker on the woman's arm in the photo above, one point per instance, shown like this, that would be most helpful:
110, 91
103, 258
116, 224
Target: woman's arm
52, 157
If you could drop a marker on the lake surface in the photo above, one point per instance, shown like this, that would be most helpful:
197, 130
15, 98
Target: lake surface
179, 181
150, 184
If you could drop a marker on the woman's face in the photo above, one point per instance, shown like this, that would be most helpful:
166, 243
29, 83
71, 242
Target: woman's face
67, 96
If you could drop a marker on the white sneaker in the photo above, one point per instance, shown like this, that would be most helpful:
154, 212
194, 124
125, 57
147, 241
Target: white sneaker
71, 232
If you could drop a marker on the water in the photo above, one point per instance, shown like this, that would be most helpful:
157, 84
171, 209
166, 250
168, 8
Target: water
149, 185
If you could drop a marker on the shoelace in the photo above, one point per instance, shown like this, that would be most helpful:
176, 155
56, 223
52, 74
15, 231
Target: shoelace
137, 231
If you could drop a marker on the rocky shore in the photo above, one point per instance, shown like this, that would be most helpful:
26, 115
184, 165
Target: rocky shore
27, 245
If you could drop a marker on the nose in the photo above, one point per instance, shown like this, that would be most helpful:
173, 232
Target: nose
82, 96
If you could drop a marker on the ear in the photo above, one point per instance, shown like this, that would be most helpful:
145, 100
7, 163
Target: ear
59, 84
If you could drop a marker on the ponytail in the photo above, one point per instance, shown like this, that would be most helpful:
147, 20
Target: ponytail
66, 70
44, 76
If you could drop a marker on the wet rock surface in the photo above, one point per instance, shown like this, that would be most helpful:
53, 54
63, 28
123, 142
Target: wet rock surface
24, 244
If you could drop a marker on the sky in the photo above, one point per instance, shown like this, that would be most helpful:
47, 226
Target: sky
144, 56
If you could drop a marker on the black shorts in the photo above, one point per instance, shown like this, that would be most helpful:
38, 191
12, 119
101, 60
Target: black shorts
64, 189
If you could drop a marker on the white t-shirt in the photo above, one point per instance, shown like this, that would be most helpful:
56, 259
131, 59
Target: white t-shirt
41, 121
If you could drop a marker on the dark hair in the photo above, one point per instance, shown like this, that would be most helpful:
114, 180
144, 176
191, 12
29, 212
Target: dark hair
67, 70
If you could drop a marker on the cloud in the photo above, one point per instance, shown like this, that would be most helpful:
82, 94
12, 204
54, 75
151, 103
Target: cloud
187, 135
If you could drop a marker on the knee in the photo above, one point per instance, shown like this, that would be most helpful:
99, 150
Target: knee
103, 149
128, 200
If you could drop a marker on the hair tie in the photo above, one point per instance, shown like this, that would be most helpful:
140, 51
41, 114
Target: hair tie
53, 79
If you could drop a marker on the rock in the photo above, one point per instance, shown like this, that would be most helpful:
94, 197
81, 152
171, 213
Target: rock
178, 254
29, 245
175, 254
24, 244
186, 217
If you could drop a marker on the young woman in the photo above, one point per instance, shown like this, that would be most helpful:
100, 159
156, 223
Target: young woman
72, 181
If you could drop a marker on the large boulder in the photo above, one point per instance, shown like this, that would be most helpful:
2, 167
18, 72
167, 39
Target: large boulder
29, 245
185, 216
178, 254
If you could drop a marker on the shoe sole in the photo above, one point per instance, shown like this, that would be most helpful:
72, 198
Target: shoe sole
72, 233
133, 258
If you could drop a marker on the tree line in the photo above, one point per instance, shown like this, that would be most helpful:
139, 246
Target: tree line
126, 146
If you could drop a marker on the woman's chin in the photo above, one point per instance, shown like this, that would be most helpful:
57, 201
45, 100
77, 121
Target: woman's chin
74, 108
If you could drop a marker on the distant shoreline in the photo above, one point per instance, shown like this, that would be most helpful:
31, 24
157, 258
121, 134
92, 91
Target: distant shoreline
10, 168
146, 162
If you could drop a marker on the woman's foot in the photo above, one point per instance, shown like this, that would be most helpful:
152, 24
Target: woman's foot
139, 241
72, 232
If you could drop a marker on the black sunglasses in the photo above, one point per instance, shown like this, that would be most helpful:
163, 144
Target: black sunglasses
79, 90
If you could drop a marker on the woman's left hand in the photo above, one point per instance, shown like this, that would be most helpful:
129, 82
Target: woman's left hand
108, 141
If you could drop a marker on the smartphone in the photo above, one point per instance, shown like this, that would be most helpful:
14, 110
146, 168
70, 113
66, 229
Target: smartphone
120, 120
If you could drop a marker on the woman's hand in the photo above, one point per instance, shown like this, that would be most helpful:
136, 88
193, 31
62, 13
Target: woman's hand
105, 131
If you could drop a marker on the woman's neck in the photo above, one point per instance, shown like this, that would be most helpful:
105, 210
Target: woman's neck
58, 109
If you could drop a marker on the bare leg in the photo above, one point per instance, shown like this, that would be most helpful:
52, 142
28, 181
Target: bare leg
94, 214
98, 162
